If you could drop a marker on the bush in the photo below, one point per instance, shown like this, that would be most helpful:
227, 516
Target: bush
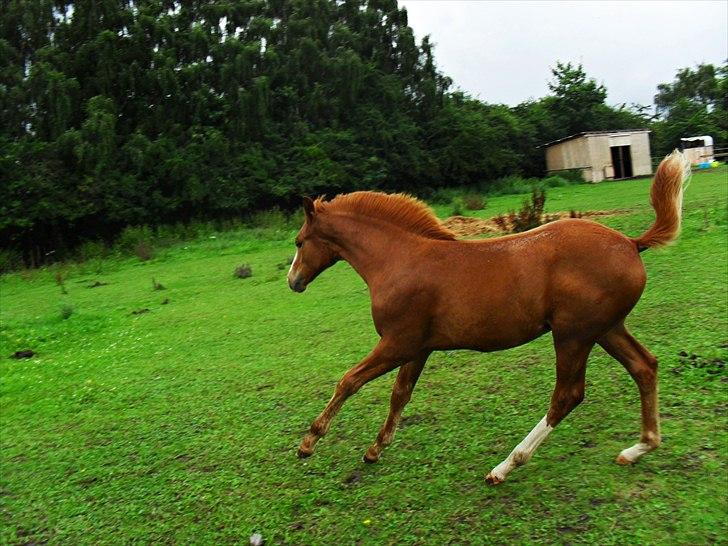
132, 237
572, 176
511, 185
443, 196
273, 218
66, 310
10, 260
474, 201
144, 251
530, 216
457, 207
243, 271
555, 182
59, 277
91, 250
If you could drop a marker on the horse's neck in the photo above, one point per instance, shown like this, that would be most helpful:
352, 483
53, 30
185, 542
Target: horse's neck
373, 247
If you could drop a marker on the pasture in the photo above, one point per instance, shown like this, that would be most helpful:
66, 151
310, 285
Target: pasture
173, 416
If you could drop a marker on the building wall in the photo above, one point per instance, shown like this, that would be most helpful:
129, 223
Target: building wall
699, 155
641, 157
592, 153
572, 154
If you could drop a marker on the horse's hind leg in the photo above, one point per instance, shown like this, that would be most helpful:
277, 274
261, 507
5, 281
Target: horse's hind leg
571, 357
401, 393
642, 366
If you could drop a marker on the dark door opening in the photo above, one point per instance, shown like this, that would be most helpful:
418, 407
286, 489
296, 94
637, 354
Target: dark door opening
621, 161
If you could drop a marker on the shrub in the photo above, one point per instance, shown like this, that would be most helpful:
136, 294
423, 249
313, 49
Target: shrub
457, 207
443, 196
555, 182
530, 216
66, 310
474, 201
273, 218
144, 251
572, 176
60, 280
132, 237
10, 260
91, 250
243, 271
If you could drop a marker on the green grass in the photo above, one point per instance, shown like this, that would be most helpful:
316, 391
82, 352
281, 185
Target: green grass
180, 424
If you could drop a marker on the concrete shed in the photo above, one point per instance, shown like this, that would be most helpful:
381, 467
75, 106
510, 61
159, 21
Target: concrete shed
602, 154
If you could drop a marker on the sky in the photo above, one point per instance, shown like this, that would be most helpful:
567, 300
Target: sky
500, 51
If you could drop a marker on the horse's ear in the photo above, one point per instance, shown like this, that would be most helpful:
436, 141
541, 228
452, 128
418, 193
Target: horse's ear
308, 208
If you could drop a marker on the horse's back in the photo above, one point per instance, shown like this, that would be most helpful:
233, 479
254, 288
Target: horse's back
568, 273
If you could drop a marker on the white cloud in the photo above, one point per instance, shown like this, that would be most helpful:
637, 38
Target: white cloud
501, 52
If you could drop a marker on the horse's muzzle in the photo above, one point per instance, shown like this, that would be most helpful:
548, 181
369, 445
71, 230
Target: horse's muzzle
297, 284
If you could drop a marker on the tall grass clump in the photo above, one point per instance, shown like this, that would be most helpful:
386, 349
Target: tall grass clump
66, 310
473, 201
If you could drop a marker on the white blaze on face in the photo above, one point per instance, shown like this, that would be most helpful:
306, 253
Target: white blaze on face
295, 259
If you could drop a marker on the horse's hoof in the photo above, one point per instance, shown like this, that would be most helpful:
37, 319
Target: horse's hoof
367, 459
624, 461
302, 454
492, 479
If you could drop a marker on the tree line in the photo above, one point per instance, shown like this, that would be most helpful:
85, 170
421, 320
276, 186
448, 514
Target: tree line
147, 112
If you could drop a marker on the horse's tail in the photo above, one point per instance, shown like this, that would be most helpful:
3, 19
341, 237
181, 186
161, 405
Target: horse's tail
666, 197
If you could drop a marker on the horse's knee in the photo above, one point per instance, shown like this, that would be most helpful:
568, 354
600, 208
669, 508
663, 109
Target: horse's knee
346, 387
563, 401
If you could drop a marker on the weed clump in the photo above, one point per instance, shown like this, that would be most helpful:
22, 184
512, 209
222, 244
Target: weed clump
474, 201
60, 281
243, 271
530, 216
457, 207
144, 251
156, 285
66, 311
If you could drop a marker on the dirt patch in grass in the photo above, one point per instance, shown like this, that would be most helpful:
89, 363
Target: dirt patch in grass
466, 226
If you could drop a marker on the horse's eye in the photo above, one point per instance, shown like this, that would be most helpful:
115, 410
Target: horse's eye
299, 244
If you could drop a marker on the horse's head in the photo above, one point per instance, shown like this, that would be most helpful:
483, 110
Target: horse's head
313, 253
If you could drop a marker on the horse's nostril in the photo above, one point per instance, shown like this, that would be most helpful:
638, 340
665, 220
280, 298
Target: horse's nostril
297, 284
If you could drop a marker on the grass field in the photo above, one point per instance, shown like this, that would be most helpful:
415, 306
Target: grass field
180, 424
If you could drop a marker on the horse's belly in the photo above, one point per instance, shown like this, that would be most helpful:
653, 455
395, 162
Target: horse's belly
487, 331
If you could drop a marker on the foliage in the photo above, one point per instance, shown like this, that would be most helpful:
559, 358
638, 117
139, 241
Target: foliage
243, 271
140, 113
180, 425
66, 310
530, 215
473, 201
694, 104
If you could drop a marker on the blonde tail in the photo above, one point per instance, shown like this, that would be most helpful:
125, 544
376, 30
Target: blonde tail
666, 197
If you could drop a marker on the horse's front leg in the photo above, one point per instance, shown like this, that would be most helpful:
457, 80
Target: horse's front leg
401, 393
381, 360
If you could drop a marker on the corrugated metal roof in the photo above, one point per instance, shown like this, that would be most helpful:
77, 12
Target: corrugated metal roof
590, 133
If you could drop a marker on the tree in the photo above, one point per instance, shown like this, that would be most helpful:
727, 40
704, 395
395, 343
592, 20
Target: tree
695, 103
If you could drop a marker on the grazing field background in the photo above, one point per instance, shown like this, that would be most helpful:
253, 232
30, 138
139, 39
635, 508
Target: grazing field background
167, 398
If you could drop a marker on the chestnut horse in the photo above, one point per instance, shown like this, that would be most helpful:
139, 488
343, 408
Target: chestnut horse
430, 292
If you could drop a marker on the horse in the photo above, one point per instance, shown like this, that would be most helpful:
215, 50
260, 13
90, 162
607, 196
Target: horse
431, 292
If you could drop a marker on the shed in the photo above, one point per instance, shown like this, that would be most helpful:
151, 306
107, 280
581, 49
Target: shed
698, 149
602, 154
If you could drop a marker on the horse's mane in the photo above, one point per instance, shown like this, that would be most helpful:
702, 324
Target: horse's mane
399, 209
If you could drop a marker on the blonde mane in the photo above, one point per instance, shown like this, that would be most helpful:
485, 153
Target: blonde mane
399, 209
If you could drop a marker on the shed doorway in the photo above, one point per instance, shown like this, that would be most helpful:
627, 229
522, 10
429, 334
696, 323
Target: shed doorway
621, 161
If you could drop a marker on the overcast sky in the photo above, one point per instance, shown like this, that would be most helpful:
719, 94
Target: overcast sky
500, 52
